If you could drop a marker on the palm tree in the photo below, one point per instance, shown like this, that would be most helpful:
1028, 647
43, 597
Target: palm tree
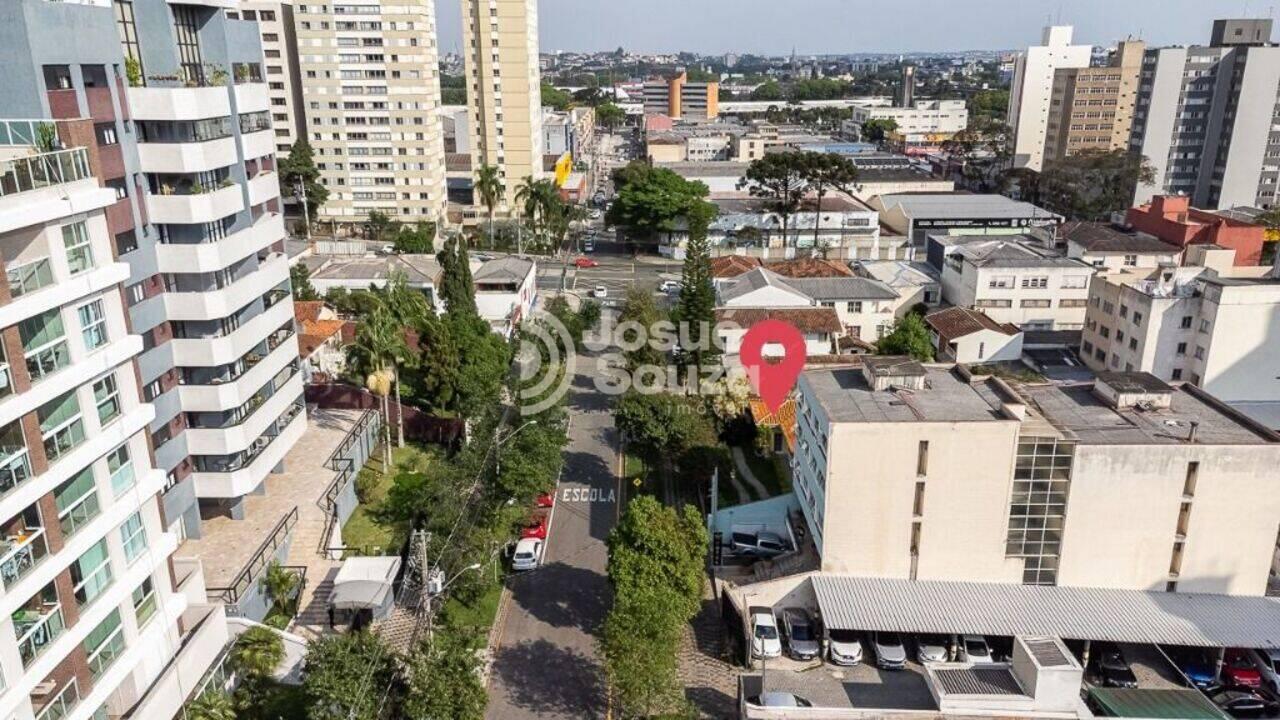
489, 186
257, 652
280, 585
211, 705
410, 310
379, 344
527, 200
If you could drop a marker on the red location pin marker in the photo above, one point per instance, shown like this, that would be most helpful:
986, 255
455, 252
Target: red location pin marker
773, 377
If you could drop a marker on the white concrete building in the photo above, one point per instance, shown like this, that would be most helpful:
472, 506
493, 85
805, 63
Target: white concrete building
1032, 91
915, 282
969, 336
506, 290
864, 308
888, 484
1013, 279
1109, 248
280, 67
932, 117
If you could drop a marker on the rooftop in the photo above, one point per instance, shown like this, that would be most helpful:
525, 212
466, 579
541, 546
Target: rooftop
805, 319
419, 269
963, 206
900, 273
846, 397
845, 287
504, 269
1008, 252
1105, 238
730, 266
957, 322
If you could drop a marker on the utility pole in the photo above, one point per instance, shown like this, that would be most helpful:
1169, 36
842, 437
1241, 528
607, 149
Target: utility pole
300, 192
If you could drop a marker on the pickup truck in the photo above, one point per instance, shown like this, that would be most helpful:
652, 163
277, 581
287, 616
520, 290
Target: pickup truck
761, 544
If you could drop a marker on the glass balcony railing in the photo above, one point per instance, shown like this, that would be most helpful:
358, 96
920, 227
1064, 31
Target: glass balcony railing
43, 170
29, 277
22, 551
37, 628
62, 705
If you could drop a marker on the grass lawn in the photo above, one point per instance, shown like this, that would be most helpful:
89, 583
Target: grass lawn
364, 530
479, 614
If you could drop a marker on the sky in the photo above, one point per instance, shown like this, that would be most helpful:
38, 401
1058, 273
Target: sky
854, 26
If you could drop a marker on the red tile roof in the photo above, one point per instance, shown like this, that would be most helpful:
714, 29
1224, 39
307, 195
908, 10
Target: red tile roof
957, 322
307, 310
784, 419
810, 268
809, 319
730, 266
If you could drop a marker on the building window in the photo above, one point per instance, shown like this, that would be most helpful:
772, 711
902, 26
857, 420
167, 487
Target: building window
1176, 374
106, 396
104, 644
917, 505
75, 238
61, 426
77, 502
1035, 303
1035, 282
1193, 475
128, 30
144, 601
93, 325
1042, 479
186, 25
854, 306
44, 344
1181, 349
91, 573
1137, 318
1199, 353
1186, 322
134, 537
120, 465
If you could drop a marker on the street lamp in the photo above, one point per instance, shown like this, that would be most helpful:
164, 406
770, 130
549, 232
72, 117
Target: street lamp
300, 192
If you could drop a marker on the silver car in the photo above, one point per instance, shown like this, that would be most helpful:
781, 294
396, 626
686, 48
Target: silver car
802, 637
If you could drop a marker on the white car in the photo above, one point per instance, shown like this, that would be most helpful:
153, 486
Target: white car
765, 642
600, 292
527, 555
844, 647
973, 649
1268, 662
890, 655
931, 648
669, 286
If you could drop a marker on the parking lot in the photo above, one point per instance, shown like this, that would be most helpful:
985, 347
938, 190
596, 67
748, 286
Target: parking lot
858, 686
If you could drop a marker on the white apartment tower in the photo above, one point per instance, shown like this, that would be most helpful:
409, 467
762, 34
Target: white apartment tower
504, 92
371, 83
280, 67
1032, 91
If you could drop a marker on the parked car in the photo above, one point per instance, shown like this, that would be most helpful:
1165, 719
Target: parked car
545, 500
1239, 671
1196, 666
844, 647
527, 555
1268, 664
931, 648
802, 636
585, 262
973, 649
669, 286
761, 544
890, 655
600, 292
482, 257
778, 700
765, 642
1243, 703
589, 245
1110, 668
536, 527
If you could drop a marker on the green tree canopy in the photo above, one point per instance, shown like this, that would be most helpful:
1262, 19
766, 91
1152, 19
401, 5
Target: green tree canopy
876, 129
343, 676
457, 291
767, 92
555, 98
696, 307
257, 652
779, 179
824, 172
444, 680
983, 150
418, 240
609, 115
910, 336
300, 167
654, 200
639, 307
300, 281
1092, 184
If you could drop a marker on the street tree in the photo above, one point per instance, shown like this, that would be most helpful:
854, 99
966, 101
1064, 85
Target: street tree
420, 239
610, 116
695, 310
640, 308
875, 130
983, 150
651, 201
823, 172
910, 336
457, 290
779, 179
443, 680
379, 225
1092, 184
300, 168
490, 189
343, 676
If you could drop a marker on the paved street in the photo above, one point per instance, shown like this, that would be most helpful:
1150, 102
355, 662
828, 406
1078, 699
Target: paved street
546, 661
618, 272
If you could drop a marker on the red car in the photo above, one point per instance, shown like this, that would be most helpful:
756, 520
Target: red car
1238, 670
535, 528
545, 500
585, 262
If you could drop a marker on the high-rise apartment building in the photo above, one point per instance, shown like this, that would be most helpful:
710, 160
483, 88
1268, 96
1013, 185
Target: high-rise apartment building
1205, 117
279, 67
1031, 94
504, 88
148, 296
371, 84
677, 98
1091, 108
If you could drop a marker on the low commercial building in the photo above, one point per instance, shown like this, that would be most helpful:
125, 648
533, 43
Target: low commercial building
863, 307
1191, 324
915, 282
945, 117
917, 215
506, 290
971, 336
889, 489
1013, 279
883, 173
421, 272
847, 229
1173, 220
1110, 248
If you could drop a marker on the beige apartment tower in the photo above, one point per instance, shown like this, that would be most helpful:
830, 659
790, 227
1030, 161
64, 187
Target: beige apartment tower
371, 84
1091, 108
504, 89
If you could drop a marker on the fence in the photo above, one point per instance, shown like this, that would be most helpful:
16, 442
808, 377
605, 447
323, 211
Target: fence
261, 558
346, 461
418, 425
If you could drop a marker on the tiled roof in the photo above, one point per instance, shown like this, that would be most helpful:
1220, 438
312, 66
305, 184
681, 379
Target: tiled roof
1100, 237
728, 266
809, 320
957, 322
784, 419
810, 268
307, 310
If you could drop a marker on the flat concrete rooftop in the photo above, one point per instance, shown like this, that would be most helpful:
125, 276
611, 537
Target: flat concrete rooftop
846, 397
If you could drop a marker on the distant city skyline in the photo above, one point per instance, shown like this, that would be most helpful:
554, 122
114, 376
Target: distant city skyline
819, 27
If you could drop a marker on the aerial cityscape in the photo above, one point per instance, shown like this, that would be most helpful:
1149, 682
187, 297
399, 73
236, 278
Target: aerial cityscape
497, 359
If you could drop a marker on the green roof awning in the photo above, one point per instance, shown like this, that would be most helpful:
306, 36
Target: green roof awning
1155, 703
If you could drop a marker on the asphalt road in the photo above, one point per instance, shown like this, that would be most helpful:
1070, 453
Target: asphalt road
618, 272
546, 660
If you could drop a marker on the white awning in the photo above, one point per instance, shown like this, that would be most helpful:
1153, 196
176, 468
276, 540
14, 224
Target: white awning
363, 582
1130, 616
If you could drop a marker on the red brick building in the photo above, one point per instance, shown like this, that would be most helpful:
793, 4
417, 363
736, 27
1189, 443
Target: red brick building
1173, 220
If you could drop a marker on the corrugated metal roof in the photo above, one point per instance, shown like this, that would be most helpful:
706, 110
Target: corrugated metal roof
1131, 616
978, 681
1184, 704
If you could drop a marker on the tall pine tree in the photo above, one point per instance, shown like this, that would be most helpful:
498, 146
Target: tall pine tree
696, 308
456, 288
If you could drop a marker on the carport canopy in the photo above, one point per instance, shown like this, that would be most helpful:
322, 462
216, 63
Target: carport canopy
1126, 616
363, 583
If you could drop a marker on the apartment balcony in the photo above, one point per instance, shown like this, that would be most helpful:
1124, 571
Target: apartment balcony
187, 157
251, 96
22, 547
196, 208
245, 472
206, 635
116, 353
258, 144
181, 103
213, 256
231, 394
263, 187
217, 304
211, 352
239, 436
38, 624
38, 188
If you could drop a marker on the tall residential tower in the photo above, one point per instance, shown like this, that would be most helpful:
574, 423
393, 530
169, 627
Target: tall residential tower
1031, 93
